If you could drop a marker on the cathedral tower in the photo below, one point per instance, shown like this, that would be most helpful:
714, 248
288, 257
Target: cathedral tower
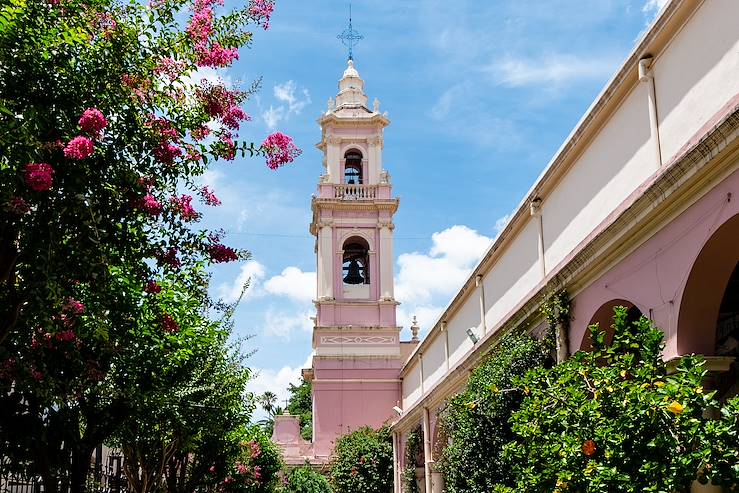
355, 338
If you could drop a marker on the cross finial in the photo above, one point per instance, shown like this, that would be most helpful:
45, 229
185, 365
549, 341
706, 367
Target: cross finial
349, 37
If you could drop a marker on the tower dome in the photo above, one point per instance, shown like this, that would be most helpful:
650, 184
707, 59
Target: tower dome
351, 89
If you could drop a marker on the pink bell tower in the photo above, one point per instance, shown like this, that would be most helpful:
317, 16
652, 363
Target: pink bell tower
357, 355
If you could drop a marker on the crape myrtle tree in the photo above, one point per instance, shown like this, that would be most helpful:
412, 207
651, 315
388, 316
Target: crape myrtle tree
104, 121
363, 461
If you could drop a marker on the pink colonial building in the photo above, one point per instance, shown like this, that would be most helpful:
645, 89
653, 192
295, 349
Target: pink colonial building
639, 207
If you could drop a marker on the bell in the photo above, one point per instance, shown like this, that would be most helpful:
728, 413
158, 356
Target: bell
353, 275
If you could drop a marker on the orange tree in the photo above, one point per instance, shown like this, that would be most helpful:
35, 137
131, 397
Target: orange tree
613, 419
103, 121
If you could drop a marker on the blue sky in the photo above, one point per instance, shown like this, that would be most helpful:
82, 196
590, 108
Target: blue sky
480, 94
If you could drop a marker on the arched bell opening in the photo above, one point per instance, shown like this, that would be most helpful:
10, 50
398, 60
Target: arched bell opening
708, 322
355, 261
603, 317
353, 167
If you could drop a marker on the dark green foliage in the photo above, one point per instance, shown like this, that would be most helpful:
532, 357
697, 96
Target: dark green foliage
363, 461
477, 419
301, 404
613, 420
413, 448
306, 480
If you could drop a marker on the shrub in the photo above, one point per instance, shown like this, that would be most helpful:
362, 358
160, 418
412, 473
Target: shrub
306, 480
257, 464
613, 420
476, 420
363, 461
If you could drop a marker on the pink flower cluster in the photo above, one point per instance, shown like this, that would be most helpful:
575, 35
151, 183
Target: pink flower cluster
219, 102
79, 148
200, 133
39, 176
216, 55
183, 207
256, 449
17, 206
200, 30
73, 307
209, 198
169, 325
228, 151
152, 287
279, 150
93, 121
150, 205
170, 68
166, 152
233, 116
220, 253
170, 258
261, 11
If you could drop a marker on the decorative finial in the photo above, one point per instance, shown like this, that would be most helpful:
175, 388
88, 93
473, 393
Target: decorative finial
414, 329
376, 105
331, 104
349, 37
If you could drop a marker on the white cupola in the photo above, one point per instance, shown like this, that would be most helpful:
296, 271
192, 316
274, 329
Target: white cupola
351, 89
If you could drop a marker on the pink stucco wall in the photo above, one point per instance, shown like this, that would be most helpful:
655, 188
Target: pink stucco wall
654, 277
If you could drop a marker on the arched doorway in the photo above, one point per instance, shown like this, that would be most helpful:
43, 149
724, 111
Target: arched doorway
603, 316
708, 321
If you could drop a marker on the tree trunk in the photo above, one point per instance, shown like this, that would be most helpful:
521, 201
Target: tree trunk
81, 456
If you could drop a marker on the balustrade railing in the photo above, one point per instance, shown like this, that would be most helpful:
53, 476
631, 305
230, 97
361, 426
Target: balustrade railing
355, 192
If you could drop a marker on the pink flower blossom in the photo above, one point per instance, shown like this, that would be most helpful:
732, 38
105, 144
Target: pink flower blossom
233, 116
17, 206
217, 99
200, 133
209, 198
166, 152
221, 253
150, 205
241, 468
152, 287
256, 449
261, 11
201, 24
170, 258
39, 176
212, 469
279, 150
216, 55
257, 472
66, 336
79, 148
183, 207
229, 149
170, 68
37, 375
169, 325
162, 128
73, 307
92, 121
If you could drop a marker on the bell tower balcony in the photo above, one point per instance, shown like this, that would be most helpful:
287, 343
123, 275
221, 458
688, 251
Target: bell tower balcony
354, 192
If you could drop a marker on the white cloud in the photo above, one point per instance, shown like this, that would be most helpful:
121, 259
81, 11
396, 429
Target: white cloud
272, 116
282, 324
654, 6
251, 272
425, 281
276, 381
285, 92
292, 103
293, 283
554, 69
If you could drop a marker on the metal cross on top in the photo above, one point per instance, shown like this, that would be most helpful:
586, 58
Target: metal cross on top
349, 37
